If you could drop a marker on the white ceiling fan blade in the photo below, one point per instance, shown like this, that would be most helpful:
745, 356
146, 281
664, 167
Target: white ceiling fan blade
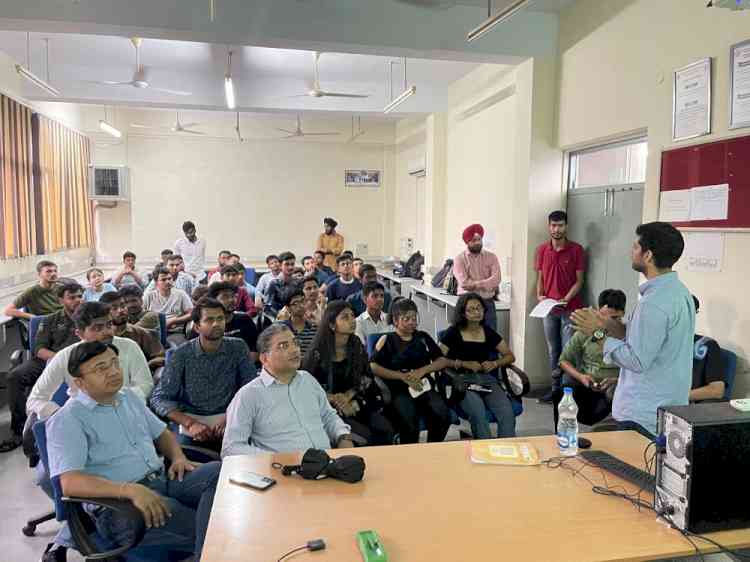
324, 94
287, 131
109, 82
319, 134
139, 126
168, 91
189, 125
291, 136
316, 73
191, 131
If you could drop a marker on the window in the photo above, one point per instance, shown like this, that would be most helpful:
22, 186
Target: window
612, 164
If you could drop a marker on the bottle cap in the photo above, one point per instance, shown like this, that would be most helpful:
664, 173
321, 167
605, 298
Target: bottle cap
568, 390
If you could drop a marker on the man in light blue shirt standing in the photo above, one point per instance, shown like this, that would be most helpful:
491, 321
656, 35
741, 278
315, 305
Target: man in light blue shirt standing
101, 445
655, 349
284, 409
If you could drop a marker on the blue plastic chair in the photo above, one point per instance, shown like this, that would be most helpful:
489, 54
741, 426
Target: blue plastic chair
17, 357
163, 330
730, 363
250, 275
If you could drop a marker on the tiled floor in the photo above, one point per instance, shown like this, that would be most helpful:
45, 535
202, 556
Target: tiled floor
22, 499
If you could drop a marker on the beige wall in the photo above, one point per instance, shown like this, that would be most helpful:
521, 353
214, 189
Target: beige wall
409, 215
15, 271
616, 64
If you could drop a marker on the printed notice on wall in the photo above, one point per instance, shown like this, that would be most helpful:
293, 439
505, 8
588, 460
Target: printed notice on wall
740, 86
692, 100
704, 251
709, 203
674, 206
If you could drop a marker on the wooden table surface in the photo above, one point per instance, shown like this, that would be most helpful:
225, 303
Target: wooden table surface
428, 502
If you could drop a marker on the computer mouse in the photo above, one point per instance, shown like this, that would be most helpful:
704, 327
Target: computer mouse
583, 443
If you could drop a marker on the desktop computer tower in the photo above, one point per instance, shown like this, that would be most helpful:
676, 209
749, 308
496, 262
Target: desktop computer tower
703, 472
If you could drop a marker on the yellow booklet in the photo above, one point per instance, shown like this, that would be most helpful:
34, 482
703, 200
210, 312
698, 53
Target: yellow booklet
514, 453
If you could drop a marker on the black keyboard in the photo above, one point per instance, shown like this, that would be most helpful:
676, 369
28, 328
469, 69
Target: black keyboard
626, 471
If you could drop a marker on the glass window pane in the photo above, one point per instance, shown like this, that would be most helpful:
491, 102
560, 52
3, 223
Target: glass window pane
613, 165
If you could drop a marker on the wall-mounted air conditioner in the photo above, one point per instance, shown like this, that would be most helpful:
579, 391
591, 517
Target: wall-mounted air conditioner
418, 167
109, 183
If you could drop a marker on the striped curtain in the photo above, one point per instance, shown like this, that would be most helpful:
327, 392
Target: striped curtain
17, 209
61, 177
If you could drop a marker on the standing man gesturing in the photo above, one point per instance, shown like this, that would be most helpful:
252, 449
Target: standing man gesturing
560, 264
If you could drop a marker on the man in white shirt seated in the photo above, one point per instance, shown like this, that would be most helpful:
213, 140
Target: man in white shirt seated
284, 409
93, 323
373, 320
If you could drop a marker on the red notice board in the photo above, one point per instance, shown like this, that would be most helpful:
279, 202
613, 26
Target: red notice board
726, 161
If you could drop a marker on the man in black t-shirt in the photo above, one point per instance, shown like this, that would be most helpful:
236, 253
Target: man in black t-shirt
239, 324
708, 368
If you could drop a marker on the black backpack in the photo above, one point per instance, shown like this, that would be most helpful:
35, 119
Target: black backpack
439, 278
413, 266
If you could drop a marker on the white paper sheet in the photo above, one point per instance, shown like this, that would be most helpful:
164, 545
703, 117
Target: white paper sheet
710, 202
704, 251
692, 100
740, 109
674, 206
543, 309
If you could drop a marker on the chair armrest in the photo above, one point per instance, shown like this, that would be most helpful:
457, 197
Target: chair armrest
515, 380
77, 521
200, 454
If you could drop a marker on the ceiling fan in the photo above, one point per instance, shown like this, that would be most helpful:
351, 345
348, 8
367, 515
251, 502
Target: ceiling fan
237, 129
178, 127
316, 92
298, 132
140, 75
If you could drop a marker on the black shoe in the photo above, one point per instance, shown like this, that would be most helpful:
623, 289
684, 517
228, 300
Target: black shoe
54, 553
547, 398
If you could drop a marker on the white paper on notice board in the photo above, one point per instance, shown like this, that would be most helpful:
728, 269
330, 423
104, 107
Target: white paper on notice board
674, 206
710, 202
704, 251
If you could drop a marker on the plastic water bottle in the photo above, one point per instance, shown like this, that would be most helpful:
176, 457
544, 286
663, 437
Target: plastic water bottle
567, 424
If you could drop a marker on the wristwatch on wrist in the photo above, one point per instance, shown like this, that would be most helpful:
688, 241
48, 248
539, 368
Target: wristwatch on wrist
599, 334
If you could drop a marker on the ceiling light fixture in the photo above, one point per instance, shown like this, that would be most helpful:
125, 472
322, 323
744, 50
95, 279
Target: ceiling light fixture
105, 126
25, 71
491, 21
228, 84
403, 96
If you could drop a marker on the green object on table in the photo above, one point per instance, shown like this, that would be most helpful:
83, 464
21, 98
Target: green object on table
370, 546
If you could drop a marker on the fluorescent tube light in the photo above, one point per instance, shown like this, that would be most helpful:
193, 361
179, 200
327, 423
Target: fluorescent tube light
500, 17
107, 128
400, 99
229, 92
34, 79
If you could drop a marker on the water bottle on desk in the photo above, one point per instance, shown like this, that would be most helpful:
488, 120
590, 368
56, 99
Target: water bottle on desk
567, 424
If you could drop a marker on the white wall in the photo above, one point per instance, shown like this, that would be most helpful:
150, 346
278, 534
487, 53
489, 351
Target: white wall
617, 59
260, 196
15, 271
409, 214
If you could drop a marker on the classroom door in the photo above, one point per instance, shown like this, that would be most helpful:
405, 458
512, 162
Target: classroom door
603, 220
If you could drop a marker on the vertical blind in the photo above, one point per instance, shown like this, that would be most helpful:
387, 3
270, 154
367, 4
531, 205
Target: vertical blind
44, 203
18, 238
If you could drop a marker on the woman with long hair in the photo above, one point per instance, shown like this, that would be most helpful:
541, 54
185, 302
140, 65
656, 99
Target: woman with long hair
405, 359
475, 353
338, 360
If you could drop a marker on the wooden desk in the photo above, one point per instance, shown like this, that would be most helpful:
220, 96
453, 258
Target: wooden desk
428, 502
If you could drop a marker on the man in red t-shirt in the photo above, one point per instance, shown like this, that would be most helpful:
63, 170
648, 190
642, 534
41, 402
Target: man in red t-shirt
559, 264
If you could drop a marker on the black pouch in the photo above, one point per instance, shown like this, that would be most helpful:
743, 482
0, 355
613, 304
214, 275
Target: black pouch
316, 464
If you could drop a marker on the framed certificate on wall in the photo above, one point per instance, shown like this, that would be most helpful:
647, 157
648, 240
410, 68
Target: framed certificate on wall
739, 85
691, 101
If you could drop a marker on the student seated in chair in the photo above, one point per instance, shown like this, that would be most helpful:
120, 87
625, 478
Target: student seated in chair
373, 320
304, 331
93, 323
367, 274
97, 287
284, 409
345, 284
39, 300
403, 359
214, 274
101, 445
708, 367
174, 303
132, 297
56, 332
322, 271
201, 378
315, 302
128, 275
339, 362
180, 279
146, 340
477, 352
583, 366
279, 286
261, 289
235, 274
238, 324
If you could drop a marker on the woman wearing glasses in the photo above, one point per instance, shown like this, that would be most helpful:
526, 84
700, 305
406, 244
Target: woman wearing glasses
405, 359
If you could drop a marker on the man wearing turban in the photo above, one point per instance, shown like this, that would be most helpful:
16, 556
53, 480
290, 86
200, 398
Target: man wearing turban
330, 242
478, 271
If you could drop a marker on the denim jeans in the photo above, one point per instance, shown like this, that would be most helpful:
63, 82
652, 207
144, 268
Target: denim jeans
190, 502
557, 331
476, 404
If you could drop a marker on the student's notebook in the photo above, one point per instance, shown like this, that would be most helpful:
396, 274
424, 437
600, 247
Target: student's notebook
514, 453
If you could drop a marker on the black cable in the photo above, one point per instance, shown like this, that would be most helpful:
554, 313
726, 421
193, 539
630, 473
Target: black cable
287, 554
718, 545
